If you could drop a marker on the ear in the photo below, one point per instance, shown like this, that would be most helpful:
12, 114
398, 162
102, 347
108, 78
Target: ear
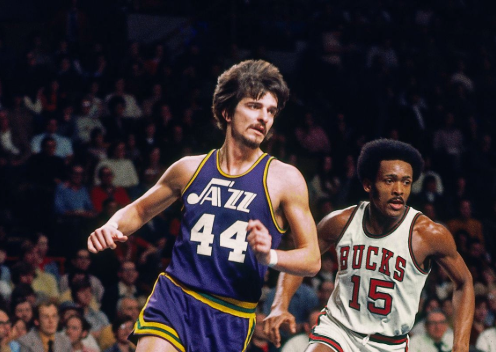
367, 185
226, 116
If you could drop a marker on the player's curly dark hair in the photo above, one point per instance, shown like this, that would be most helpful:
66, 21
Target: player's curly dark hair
250, 78
374, 152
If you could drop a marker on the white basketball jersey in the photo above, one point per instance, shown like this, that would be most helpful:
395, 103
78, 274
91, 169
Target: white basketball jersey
378, 284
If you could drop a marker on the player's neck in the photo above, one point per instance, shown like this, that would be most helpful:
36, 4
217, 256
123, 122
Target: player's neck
235, 159
377, 223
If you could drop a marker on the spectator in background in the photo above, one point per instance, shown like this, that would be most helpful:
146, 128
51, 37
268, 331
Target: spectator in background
125, 174
14, 148
466, 222
106, 190
46, 264
68, 309
77, 329
18, 329
437, 336
82, 295
23, 310
126, 286
325, 183
131, 107
86, 121
80, 264
72, 198
449, 146
480, 315
7, 342
44, 336
44, 284
486, 342
126, 307
122, 327
116, 126
63, 144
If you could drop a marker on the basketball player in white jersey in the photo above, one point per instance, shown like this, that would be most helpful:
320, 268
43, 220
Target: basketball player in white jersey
385, 250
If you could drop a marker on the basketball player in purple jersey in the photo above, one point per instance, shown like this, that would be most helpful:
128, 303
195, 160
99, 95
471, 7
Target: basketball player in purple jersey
238, 202
385, 250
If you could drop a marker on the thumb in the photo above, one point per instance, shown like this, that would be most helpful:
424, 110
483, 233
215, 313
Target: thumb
120, 237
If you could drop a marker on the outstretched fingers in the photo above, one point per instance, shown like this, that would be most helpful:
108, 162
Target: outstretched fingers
273, 324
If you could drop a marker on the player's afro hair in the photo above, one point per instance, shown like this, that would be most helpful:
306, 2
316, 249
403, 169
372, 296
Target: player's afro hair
374, 152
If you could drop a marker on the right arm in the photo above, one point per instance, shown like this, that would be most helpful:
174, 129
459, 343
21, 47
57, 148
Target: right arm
328, 231
132, 217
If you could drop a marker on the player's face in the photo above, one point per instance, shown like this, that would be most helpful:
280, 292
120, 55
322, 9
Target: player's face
253, 119
391, 188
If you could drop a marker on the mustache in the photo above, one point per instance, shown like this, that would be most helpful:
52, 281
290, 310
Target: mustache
396, 199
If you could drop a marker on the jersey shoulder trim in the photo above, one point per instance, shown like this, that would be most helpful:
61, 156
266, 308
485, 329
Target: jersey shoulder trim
410, 247
267, 197
197, 171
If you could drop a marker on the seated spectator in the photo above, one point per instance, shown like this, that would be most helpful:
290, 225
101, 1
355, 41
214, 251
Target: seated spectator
437, 336
132, 110
107, 190
122, 327
63, 144
79, 267
23, 310
5, 276
7, 343
480, 315
126, 306
19, 328
429, 304
466, 222
72, 198
77, 329
125, 287
486, 342
44, 335
44, 284
86, 121
13, 148
68, 309
125, 174
82, 294
46, 264
326, 183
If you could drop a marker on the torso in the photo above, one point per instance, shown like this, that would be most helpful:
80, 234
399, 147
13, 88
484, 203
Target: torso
379, 281
211, 254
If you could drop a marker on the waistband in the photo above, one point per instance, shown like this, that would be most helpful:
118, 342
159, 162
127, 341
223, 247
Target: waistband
389, 340
228, 305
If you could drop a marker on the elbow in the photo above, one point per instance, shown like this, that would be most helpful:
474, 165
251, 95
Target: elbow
314, 267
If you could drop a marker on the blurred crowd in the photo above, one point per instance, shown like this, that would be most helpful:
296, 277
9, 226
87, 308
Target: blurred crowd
89, 121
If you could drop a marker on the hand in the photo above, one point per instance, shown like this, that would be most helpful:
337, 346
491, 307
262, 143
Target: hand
260, 241
104, 237
276, 319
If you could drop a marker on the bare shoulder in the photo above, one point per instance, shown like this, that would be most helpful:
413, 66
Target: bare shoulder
433, 238
180, 173
282, 177
332, 225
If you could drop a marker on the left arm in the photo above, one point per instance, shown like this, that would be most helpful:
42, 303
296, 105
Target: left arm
438, 244
289, 196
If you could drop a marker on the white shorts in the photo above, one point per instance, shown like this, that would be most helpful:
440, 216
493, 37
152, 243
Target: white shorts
336, 336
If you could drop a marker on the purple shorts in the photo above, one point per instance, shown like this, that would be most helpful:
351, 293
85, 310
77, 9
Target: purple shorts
194, 321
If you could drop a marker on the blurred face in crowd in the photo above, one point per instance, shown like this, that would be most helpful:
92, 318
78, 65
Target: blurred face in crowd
129, 307
19, 329
48, 320
74, 329
123, 332
82, 260
4, 325
436, 325
128, 273
24, 311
